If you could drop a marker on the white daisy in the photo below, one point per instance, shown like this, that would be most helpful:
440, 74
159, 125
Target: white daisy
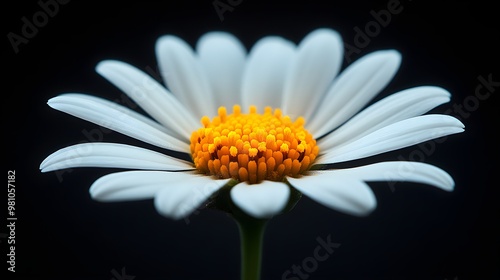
252, 123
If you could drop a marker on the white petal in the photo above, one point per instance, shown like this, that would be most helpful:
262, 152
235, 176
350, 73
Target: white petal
117, 118
265, 71
111, 155
395, 136
396, 107
150, 95
312, 70
262, 200
340, 193
353, 89
184, 75
134, 185
180, 200
404, 171
222, 56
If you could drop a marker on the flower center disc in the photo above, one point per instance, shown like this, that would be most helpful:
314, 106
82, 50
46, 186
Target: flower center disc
252, 147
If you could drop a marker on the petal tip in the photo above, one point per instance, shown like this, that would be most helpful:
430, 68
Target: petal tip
457, 123
108, 66
390, 56
395, 56
103, 65
369, 205
166, 41
167, 212
54, 101
261, 201
325, 31
44, 168
393, 52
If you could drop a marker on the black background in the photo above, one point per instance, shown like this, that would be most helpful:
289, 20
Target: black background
416, 232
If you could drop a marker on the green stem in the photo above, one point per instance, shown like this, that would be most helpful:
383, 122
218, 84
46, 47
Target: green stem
251, 236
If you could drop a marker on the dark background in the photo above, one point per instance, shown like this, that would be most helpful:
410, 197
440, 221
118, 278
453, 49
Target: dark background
417, 232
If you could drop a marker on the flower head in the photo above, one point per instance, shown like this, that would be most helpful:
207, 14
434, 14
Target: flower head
270, 123
253, 147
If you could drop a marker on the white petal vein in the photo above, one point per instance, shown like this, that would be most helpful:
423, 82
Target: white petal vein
353, 89
111, 155
394, 136
154, 98
396, 107
117, 118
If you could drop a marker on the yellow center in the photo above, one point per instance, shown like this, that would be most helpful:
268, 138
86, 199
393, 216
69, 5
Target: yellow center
253, 147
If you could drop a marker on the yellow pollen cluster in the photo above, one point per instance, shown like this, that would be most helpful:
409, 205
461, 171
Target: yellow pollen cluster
253, 147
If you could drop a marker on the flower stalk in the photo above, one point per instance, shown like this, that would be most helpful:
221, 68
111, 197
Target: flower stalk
251, 237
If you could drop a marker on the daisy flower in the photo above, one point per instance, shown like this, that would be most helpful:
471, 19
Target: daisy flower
261, 128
